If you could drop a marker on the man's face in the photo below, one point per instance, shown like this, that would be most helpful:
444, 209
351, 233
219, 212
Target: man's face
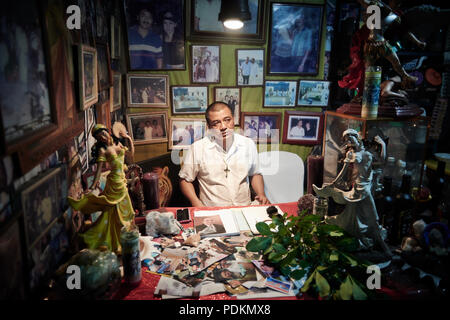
226, 274
207, 221
222, 121
145, 19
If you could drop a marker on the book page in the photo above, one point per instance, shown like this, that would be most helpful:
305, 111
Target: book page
240, 219
253, 215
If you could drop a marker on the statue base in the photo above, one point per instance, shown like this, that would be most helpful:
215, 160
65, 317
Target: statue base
384, 111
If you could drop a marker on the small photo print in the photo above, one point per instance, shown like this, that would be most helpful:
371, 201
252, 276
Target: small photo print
209, 225
280, 93
250, 67
313, 93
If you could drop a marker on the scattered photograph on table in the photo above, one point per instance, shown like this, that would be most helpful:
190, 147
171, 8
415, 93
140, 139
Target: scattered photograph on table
280, 93
295, 32
189, 99
149, 127
232, 97
250, 67
148, 90
24, 75
266, 270
155, 34
212, 224
263, 127
205, 61
41, 204
303, 127
185, 131
313, 93
11, 273
233, 271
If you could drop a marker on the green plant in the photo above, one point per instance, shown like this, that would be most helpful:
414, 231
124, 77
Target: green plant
305, 245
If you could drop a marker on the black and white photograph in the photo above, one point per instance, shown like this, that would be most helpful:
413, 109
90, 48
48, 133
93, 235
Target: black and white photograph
262, 127
280, 93
148, 127
26, 104
303, 127
189, 99
145, 90
250, 67
155, 33
295, 34
185, 131
232, 97
205, 61
313, 93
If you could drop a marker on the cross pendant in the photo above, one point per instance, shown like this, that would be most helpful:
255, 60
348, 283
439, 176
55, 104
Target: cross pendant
226, 171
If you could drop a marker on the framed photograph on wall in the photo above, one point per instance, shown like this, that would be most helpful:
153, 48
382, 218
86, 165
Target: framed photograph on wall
104, 66
204, 24
117, 91
185, 131
189, 99
294, 40
312, 93
41, 204
115, 38
262, 127
12, 266
280, 93
88, 76
27, 108
249, 67
148, 90
155, 34
205, 62
304, 128
232, 97
148, 127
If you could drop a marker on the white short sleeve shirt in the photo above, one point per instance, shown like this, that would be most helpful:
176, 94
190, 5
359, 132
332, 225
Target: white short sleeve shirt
208, 162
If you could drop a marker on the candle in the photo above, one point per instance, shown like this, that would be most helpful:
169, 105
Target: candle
129, 240
151, 190
314, 172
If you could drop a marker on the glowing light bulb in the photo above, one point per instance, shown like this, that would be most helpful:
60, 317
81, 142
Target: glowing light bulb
233, 24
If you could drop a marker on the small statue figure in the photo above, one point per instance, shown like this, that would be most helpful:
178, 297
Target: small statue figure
114, 202
359, 217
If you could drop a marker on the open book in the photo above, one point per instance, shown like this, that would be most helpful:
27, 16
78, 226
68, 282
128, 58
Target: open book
216, 223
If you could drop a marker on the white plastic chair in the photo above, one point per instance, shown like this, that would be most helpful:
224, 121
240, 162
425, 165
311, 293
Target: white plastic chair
283, 173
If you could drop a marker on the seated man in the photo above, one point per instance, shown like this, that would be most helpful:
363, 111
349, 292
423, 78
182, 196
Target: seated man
223, 162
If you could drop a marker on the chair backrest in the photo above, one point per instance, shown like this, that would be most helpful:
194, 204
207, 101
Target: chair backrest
283, 173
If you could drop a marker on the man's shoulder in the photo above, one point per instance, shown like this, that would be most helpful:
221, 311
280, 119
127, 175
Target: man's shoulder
243, 140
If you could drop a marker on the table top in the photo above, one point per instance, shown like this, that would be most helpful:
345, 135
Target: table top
146, 288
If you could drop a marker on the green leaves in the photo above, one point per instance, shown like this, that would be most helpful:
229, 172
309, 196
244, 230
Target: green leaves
263, 229
259, 244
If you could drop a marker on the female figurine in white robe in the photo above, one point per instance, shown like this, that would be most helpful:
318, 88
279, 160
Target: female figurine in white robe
359, 217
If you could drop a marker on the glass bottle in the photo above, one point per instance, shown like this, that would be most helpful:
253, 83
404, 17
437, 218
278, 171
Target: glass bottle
400, 170
404, 205
131, 261
385, 207
390, 167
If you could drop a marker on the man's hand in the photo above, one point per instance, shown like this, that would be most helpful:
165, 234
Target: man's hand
262, 199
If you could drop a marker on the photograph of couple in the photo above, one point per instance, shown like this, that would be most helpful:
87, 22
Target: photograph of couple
301, 128
250, 67
205, 64
155, 34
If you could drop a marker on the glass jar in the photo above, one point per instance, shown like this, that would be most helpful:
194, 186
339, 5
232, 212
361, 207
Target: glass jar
320, 207
131, 261
371, 93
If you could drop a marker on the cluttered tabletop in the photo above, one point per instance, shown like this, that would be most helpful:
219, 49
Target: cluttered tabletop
206, 258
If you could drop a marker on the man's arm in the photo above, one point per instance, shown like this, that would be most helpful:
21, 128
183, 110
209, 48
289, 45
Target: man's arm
257, 183
187, 188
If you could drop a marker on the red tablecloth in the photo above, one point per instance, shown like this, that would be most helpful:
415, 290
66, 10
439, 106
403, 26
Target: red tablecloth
146, 288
